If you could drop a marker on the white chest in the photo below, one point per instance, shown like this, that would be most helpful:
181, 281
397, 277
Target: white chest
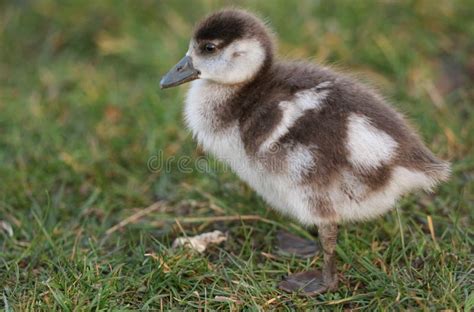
224, 142
203, 102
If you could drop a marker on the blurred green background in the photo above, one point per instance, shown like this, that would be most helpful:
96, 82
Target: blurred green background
81, 115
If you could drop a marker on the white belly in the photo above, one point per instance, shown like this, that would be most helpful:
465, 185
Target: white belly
277, 189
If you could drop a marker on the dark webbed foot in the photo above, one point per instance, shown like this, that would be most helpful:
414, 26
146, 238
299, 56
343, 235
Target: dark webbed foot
291, 244
315, 282
309, 283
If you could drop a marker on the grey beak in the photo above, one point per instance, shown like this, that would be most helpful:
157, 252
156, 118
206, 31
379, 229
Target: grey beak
180, 73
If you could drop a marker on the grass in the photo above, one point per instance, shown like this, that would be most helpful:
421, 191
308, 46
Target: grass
81, 116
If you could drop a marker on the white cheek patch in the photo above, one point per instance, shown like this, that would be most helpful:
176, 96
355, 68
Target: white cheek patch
368, 146
292, 110
236, 63
244, 58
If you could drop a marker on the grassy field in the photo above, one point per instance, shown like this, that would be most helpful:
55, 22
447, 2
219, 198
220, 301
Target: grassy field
81, 116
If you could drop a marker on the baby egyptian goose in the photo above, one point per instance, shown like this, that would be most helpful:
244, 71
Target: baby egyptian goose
316, 145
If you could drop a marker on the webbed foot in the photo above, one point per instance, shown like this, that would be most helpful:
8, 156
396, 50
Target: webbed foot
309, 283
291, 244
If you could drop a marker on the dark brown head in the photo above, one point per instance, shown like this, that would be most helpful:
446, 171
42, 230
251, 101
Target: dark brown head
228, 47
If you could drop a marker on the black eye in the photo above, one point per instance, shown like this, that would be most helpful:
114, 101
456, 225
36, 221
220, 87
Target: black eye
210, 47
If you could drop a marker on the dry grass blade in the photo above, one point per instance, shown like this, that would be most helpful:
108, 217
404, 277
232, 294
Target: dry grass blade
224, 218
5, 226
135, 217
431, 227
227, 299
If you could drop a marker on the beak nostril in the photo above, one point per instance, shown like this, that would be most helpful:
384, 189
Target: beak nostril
179, 68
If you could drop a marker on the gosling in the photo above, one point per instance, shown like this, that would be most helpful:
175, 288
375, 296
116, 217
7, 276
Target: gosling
317, 145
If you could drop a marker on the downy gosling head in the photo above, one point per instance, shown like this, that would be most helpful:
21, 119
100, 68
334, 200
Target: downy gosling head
229, 48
